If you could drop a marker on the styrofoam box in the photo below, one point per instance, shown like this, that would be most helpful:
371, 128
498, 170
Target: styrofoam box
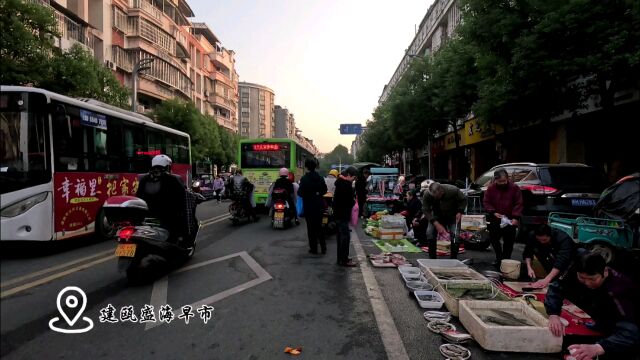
535, 339
432, 273
441, 263
452, 303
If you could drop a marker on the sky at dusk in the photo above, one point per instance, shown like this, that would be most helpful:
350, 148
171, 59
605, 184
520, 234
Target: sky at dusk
326, 60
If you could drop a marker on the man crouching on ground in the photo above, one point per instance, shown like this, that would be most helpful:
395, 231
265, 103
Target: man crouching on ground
609, 297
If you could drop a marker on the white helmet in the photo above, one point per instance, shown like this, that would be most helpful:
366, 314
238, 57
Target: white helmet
161, 160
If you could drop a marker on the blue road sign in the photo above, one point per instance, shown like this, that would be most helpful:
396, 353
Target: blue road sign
350, 129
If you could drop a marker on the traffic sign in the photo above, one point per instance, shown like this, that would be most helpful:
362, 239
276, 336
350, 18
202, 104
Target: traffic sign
350, 129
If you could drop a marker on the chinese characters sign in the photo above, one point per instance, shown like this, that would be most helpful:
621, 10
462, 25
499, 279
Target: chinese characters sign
79, 196
266, 147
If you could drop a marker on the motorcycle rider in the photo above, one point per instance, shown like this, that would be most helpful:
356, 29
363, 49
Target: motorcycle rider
165, 195
242, 189
284, 183
330, 180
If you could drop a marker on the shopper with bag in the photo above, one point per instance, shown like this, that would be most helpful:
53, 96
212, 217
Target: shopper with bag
344, 209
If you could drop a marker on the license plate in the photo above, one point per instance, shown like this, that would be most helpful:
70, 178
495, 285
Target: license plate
325, 221
126, 250
279, 215
583, 202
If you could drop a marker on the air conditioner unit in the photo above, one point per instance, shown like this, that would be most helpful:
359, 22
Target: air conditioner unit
110, 64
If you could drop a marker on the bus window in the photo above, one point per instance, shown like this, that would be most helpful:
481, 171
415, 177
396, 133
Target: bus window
23, 164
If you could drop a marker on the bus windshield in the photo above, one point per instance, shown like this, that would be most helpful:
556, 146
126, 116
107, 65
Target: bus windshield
24, 145
265, 155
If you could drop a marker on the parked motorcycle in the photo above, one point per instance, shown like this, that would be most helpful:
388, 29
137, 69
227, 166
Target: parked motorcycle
281, 213
144, 246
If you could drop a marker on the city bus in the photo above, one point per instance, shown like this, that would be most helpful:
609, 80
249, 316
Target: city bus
261, 159
61, 158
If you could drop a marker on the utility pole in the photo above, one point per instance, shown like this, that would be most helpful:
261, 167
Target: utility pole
140, 66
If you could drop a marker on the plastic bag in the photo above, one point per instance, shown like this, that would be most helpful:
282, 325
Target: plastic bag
355, 210
299, 207
504, 222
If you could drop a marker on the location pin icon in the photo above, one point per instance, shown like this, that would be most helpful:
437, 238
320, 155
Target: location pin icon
71, 304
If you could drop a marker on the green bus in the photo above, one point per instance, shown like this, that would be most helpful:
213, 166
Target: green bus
261, 159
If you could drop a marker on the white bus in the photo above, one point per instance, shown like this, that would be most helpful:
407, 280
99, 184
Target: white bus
60, 158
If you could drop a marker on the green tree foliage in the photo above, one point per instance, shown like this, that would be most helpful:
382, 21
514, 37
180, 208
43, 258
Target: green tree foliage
512, 62
26, 42
28, 56
77, 73
208, 139
339, 154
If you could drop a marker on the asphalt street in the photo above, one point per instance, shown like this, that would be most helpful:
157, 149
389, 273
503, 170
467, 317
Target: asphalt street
266, 291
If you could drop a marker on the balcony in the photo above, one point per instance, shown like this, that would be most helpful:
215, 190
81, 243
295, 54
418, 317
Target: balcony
218, 76
222, 58
226, 122
137, 26
147, 8
72, 32
218, 100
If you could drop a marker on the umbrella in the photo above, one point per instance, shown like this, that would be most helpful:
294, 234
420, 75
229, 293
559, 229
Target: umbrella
362, 165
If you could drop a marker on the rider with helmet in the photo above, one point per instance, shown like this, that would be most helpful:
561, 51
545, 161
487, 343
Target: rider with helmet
242, 190
330, 180
165, 195
283, 189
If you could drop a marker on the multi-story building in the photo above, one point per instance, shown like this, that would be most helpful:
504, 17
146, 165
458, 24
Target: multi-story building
285, 123
220, 79
189, 61
257, 111
436, 27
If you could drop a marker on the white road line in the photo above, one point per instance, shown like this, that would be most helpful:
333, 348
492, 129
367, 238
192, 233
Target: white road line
49, 278
52, 269
214, 220
388, 331
159, 292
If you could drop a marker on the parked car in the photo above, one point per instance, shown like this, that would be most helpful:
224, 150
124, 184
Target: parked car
546, 188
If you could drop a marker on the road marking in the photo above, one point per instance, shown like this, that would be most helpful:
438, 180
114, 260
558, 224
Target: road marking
52, 269
53, 277
214, 220
388, 331
160, 287
27, 286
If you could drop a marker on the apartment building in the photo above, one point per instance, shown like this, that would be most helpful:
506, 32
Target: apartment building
257, 111
285, 123
438, 25
189, 61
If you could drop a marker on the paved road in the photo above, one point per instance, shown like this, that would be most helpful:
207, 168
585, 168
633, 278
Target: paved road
266, 290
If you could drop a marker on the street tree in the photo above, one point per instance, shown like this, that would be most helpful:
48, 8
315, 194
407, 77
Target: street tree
27, 30
339, 155
77, 73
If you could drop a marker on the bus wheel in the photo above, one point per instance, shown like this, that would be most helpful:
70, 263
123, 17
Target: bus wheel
104, 229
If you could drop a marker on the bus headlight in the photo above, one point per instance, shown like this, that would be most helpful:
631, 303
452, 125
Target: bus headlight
22, 206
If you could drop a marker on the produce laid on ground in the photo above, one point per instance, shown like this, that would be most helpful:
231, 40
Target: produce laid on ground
388, 259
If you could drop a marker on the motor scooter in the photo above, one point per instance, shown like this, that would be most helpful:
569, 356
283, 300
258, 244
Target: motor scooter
281, 212
238, 211
144, 247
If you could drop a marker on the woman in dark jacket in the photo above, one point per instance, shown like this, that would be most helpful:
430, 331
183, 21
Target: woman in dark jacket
343, 202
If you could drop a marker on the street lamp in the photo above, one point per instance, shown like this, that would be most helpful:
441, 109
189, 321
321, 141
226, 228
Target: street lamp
140, 66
